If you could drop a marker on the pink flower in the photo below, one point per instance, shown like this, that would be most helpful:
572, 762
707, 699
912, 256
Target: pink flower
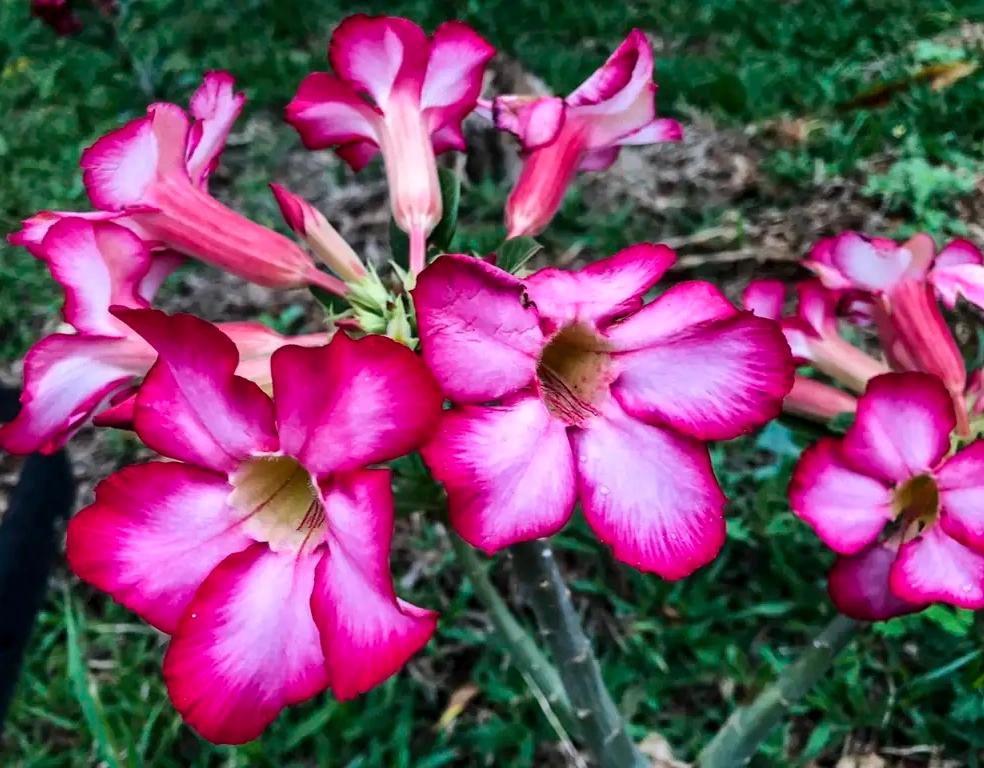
263, 548
566, 388
894, 466
71, 377
421, 89
615, 107
151, 176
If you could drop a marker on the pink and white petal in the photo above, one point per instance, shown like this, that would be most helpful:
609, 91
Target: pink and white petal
375, 400
601, 291
859, 585
153, 534
618, 81
215, 107
191, 406
453, 79
99, 264
650, 494
933, 567
246, 646
67, 379
508, 471
765, 298
367, 632
713, 381
536, 122
958, 280
606, 128
599, 159
816, 307
847, 509
162, 266
654, 132
32, 231
820, 262
358, 154
478, 334
960, 481
902, 428
958, 252
449, 137
380, 54
868, 264
325, 111
119, 413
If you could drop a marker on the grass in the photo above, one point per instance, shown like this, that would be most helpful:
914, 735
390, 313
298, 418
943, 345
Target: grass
678, 656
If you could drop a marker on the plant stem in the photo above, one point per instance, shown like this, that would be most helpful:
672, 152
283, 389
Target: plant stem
740, 737
525, 654
600, 724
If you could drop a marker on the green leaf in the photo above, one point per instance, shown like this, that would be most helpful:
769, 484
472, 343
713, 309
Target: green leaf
443, 233
515, 252
953, 620
841, 422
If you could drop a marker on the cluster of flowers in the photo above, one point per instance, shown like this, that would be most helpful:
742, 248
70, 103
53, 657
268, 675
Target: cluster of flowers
261, 544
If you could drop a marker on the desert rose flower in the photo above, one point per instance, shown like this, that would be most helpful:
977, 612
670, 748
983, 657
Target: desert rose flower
615, 107
151, 176
421, 89
263, 547
894, 467
565, 388
89, 370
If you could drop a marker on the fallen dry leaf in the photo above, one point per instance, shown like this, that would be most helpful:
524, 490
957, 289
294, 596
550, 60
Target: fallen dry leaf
658, 749
938, 76
457, 703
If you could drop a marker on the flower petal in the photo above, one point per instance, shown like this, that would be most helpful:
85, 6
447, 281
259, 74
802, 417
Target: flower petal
32, 231
367, 633
858, 585
375, 400
215, 107
601, 291
599, 159
453, 80
765, 298
358, 154
956, 252
536, 122
617, 83
67, 379
379, 54
478, 335
934, 567
654, 132
903, 426
153, 534
868, 264
712, 379
246, 646
816, 307
960, 481
326, 111
162, 266
508, 471
846, 508
191, 406
650, 494
99, 264
952, 282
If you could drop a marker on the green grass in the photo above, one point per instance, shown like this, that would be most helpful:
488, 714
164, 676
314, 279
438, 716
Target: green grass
678, 656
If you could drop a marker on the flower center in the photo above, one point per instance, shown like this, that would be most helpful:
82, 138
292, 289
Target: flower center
574, 374
283, 506
917, 501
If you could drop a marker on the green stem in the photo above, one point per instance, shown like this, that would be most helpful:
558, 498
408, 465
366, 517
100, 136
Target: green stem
522, 649
600, 723
740, 737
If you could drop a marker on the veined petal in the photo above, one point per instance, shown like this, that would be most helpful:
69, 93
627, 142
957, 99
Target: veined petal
846, 508
326, 112
367, 632
153, 534
654, 132
453, 80
608, 128
246, 646
192, 407
617, 83
32, 231
934, 567
601, 291
478, 334
508, 471
99, 264
859, 585
215, 107
67, 379
765, 298
714, 380
960, 480
903, 426
375, 400
869, 264
650, 494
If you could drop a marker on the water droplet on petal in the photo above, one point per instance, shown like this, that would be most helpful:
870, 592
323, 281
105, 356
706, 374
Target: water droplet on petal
604, 490
194, 615
967, 588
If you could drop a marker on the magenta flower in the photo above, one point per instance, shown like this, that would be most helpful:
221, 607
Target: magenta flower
421, 89
151, 176
263, 548
71, 377
894, 466
615, 107
566, 388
